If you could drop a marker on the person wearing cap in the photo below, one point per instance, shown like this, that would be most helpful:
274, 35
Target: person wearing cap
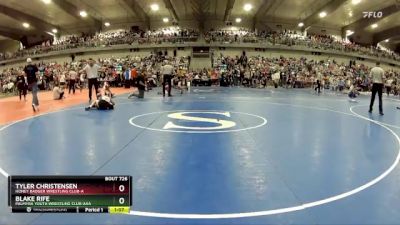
31, 72
376, 75
167, 70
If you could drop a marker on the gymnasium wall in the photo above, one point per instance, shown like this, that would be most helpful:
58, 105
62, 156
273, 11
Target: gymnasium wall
220, 25
185, 24
200, 63
9, 45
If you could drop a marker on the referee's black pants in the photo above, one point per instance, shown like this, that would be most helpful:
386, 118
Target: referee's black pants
92, 82
376, 87
167, 80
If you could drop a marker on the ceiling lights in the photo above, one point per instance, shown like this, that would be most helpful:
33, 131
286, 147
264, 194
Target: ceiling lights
374, 26
301, 24
165, 20
355, 2
322, 14
247, 7
83, 13
349, 32
387, 40
107, 24
238, 20
54, 30
351, 14
154, 7
26, 25
46, 1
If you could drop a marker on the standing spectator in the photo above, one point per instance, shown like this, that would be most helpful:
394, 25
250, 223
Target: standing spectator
72, 79
133, 75
388, 86
31, 72
376, 75
21, 85
318, 87
127, 78
62, 78
91, 70
81, 81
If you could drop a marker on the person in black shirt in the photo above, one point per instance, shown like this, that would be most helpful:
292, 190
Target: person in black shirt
141, 85
318, 87
31, 71
21, 85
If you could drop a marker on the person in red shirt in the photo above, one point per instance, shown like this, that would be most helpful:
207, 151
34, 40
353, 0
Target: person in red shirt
134, 75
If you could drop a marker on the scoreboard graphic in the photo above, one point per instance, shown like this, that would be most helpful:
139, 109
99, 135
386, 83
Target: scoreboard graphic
70, 194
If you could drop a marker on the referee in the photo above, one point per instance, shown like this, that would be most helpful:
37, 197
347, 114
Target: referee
31, 72
91, 70
376, 74
167, 71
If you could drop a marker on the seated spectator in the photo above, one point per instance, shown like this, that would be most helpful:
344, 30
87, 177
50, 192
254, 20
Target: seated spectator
58, 92
353, 93
196, 80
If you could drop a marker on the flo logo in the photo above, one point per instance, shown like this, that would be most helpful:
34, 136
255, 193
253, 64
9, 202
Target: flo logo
198, 121
373, 14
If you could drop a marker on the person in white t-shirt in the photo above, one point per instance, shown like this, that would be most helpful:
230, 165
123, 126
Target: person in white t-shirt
72, 74
62, 79
58, 92
388, 86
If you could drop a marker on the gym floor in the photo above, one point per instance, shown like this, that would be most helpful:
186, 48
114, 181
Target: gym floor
215, 156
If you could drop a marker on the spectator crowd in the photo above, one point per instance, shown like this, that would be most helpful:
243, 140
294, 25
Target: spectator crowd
252, 72
259, 72
110, 38
293, 38
116, 72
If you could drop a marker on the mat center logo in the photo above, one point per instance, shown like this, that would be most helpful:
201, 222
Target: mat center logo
197, 121
210, 123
